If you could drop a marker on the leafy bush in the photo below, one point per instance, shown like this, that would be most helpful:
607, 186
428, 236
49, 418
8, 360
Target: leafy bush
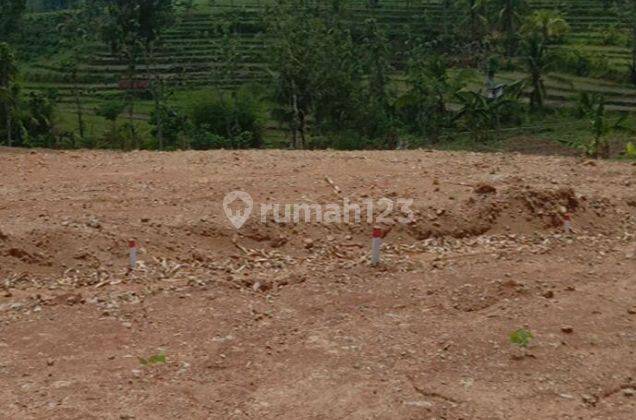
344, 140
203, 139
110, 109
583, 63
237, 117
173, 125
614, 35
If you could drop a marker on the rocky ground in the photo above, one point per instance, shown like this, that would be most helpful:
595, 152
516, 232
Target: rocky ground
290, 320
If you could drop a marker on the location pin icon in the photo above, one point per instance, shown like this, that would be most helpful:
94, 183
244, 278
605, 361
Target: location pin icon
238, 217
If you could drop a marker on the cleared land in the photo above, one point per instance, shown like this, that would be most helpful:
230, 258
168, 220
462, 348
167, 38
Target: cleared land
290, 321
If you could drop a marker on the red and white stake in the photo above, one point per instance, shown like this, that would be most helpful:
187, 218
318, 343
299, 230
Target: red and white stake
375, 246
567, 223
133, 254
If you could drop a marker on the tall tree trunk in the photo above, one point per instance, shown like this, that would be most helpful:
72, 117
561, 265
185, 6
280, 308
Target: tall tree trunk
7, 109
297, 122
80, 112
158, 96
633, 21
158, 117
131, 97
303, 129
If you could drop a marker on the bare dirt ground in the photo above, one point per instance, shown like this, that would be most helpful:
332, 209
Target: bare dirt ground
291, 321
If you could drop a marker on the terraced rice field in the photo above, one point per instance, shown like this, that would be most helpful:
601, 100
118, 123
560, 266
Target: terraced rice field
190, 57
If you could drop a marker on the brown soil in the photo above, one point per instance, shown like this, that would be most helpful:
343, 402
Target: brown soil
290, 320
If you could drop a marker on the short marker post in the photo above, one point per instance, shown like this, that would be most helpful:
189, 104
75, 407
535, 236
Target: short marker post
567, 223
133, 254
375, 246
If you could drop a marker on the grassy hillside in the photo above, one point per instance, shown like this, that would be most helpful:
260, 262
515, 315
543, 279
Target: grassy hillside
191, 55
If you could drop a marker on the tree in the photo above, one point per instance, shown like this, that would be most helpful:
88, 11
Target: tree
39, 117
377, 67
292, 26
76, 33
537, 60
8, 72
549, 23
423, 108
476, 18
12, 11
111, 110
632, 15
336, 80
510, 15
130, 27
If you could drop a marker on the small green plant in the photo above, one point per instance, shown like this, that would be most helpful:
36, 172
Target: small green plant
630, 151
157, 359
521, 338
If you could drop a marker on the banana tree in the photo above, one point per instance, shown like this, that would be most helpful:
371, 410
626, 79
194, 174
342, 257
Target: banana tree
593, 108
481, 114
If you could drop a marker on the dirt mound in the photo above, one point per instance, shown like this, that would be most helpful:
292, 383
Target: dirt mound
515, 210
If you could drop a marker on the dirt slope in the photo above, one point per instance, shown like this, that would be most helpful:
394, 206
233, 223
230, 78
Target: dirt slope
289, 320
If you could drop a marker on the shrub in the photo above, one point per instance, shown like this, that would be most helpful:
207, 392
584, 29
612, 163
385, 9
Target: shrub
614, 35
173, 125
584, 63
574, 60
237, 117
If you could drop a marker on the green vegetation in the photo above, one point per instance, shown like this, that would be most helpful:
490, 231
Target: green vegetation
521, 338
157, 359
165, 74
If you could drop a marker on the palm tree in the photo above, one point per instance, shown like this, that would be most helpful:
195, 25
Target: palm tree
549, 23
537, 61
8, 71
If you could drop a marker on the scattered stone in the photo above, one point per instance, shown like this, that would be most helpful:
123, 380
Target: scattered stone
590, 163
94, 223
589, 399
632, 310
567, 329
278, 242
485, 189
421, 403
629, 392
549, 294
308, 243
61, 384
3, 236
50, 362
72, 299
